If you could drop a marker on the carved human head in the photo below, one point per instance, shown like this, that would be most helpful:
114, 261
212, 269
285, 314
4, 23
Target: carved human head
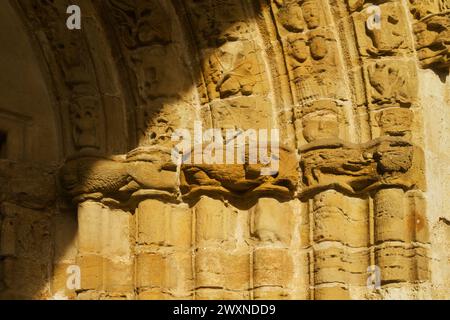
299, 49
311, 13
394, 156
320, 121
83, 111
319, 47
291, 17
84, 117
396, 121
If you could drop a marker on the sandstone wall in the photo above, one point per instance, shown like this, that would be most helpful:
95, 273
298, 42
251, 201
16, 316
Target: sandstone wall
360, 194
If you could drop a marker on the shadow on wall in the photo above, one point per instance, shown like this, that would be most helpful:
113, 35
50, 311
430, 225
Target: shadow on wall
137, 71
165, 50
159, 46
36, 227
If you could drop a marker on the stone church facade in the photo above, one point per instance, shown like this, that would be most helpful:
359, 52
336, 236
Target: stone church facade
357, 210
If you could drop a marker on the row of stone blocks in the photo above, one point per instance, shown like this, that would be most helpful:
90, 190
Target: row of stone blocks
317, 249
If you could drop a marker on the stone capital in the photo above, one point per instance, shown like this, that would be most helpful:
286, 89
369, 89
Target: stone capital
143, 172
361, 168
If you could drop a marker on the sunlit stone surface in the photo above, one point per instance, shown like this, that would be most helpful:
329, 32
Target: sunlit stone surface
92, 206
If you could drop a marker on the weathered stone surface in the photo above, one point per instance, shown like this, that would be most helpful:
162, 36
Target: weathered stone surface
431, 28
358, 169
273, 221
241, 180
88, 183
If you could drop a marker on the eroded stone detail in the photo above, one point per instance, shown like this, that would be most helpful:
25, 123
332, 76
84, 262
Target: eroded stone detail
392, 38
73, 72
360, 169
95, 177
152, 44
350, 191
241, 180
432, 30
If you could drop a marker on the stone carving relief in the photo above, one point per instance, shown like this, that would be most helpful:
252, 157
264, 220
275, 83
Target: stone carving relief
241, 114
396, 122
232, 70
157, 124
300, 15
313, 14
218, 22
431, 27
234, 83
154, 77
391, 39
354, 5
360, 169
118, 179
155, 58
312, 56
315, 66
392, 82
423, 8
320, 120
74, 71
432, 38
240, 180
310, 230
231, 61
124, 178
84, 116
328, 162
290, 16
142, 23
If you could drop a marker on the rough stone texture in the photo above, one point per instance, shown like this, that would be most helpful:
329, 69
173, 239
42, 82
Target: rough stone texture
86, 177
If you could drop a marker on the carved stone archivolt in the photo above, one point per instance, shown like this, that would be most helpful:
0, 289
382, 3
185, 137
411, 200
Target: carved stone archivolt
75, 66
73, 72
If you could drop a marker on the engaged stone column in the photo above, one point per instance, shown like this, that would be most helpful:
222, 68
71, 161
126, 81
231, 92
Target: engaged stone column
163, 250
105, 253
222, 255
340, 224
232, 212
394, 254
341, 240
107, 191
273, 258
